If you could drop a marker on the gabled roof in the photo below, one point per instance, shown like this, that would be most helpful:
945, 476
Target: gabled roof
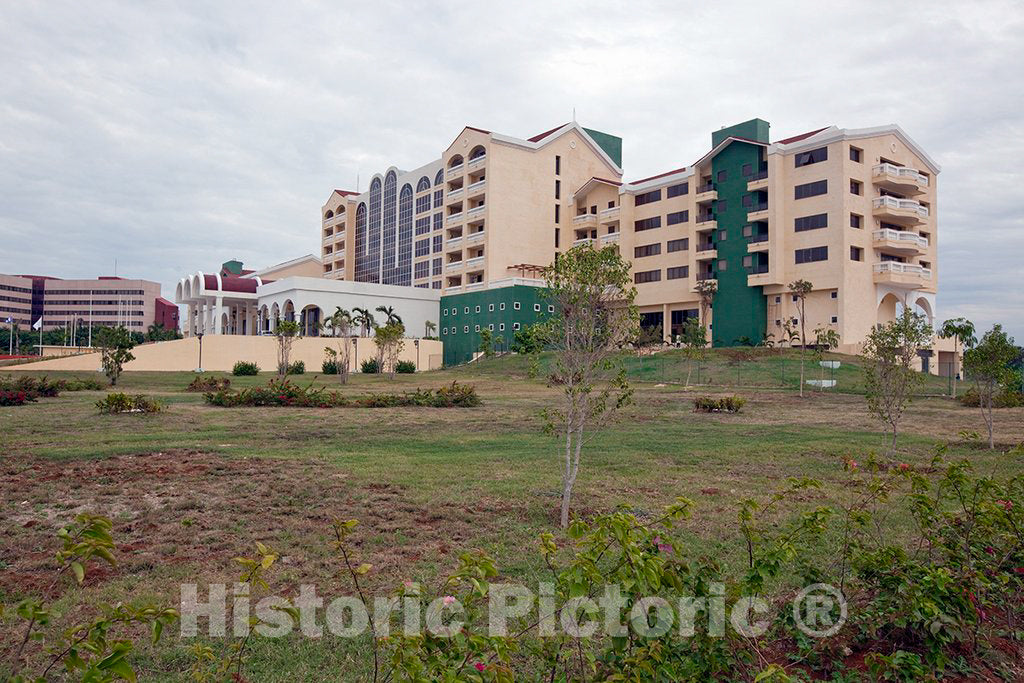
827, 136
547, 137
541, 136
802, 136
587, 186
660, 175
346, 193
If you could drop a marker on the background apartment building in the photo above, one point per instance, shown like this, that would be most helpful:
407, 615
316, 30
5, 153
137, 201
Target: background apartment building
850, 210
105, 301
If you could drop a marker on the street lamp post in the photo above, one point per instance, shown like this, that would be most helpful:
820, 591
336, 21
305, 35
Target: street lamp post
200, 336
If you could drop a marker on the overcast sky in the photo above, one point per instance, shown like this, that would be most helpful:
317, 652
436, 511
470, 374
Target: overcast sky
174, 138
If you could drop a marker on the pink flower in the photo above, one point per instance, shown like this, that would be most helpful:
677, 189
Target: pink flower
448, 600
480, 666
990, 550
1007, 504
904, 467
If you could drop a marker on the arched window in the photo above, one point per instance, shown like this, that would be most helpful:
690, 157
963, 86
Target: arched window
360, 245
477, 152
329, 214
439, 178
455, 161
388, 234
423, 184
403, 267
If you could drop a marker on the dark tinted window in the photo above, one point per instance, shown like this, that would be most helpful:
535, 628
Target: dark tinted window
647, 276
678, 217
812, 254
811, 157
814, 222
811, 189
677, 272
647, 223
647, 197
678, 245
677, 190
647, 250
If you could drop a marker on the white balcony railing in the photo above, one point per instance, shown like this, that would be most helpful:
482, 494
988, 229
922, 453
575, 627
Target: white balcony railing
452, 218
453, 194
478, 185
906, 268
900, 205
475, 261
584, 218
582, 240
469, 287
610, 213
476, 211
890, 235
478, 161
901, 173
455, 170
610, 238
455, 265
474, 237
454, 242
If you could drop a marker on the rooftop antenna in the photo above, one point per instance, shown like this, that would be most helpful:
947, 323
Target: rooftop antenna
574, 114
357, 183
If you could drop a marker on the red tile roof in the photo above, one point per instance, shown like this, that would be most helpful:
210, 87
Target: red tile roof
606, 180
798, 138
538, 138
660, 175
346, 193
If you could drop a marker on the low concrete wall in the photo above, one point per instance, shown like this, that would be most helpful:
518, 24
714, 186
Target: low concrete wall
220, 352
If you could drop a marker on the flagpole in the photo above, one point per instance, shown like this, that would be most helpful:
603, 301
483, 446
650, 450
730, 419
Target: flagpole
90, 318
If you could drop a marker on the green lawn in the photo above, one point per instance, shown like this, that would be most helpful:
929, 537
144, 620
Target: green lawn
193, 486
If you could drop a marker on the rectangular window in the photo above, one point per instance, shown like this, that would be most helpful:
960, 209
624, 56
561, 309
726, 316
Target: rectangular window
438, 198
437, 268
422, 269
558, 236
747, 201
856, 220
647, 276
815, 222
678, 217
723, 175
678, 245
748, 170
811, 255
558, 189
677, 272
438, 221
423, 225
422, 247
723, 235
677, 190
748, 261
436, 284
438, 243
855, 187
558, 213
723, 265
558, 165
811, 157
856, 254
720, 206
647, 198
647, 250
647, 224
855, 154
811, 189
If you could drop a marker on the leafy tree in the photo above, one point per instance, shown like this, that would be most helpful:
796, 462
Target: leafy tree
529, 339
486, 342
988, 365
286, 332
594, 315
157, 332
891, 350
962, 332
695, 342
706, 290
801, 289
430, 328
825, 339
648, 338
389, 313
340, 327
116, 345
390, 342
364, 318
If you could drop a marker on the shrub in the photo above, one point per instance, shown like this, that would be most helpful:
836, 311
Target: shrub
124, 403
32, 387
370, 366
1006, 398
245, 368
282, 392
329, 367
726, 404
205, 384
14, 398
79, 384
405, 367
296, 368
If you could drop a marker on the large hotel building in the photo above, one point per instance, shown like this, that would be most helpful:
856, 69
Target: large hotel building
853, 211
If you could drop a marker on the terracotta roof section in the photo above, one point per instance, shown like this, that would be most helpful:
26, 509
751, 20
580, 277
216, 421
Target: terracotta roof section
479, 130
660, 175
240, 284
209, 281
347, 193
606, 180
165, 302
798, 138
538, 138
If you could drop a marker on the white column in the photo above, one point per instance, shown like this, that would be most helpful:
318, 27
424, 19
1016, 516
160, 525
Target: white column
218, 317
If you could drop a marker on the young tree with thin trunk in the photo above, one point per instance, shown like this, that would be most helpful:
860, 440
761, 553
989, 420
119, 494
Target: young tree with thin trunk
286, 332
988, 365
891, 351
593, 295
962, 332
116, 346
706, 290
801, 289
390, 340
695, 341
340, 327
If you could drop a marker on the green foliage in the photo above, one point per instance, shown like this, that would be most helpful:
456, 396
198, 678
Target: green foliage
390, 340
988, 364
330, 364
370, 366
284, 393
1006, 398
297, 368
405, 367
245, 368
649, 337
286, 332
726, 404
115, 345
157, 332
32, 387
207, 383
529, 339
486, 343
15, 398
123, 403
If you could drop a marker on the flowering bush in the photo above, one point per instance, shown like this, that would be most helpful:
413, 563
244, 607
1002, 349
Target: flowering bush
209, 384
32, 387
123, 403
15, 398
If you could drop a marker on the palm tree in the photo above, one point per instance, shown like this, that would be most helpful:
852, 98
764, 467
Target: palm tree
364, 319
338, 322
389, 311
155, 332
430, 327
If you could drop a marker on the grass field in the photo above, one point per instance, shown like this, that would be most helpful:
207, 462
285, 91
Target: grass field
194, 486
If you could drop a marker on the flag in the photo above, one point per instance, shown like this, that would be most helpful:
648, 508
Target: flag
38, 325
10, 320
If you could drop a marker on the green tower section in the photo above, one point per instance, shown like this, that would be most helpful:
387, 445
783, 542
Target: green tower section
611, 144
740, 311
503, 311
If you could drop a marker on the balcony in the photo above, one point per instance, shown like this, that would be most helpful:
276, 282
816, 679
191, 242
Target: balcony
610, 238
334, 220
477, 162
454, 265
707, 222
471, 286
455, 217
757, 243
757, 212
899, 241
582, 240
758, 181
902, 211
455, 170
476, 212
477, 261
584, 220
454, 194
476, 188
609, 215
706, 251
904, 275
706, 193
454, 242
899, 178
475, 237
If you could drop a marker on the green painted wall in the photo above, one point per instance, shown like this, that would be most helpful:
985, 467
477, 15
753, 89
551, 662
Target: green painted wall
460, 345
611, 144
739, 311
754, 129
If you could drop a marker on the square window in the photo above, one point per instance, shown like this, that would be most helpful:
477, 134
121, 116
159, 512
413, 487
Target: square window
778, 323
477, 309
748, 261
855, 155
778, 299
856, 254
477, 328
515, 326
855, 187
515, 306
835, 295
856, 220
501, 327
835, 319
536, 308
795, 297
723, 265
551, 308
490, 308
465, 329
501, 306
